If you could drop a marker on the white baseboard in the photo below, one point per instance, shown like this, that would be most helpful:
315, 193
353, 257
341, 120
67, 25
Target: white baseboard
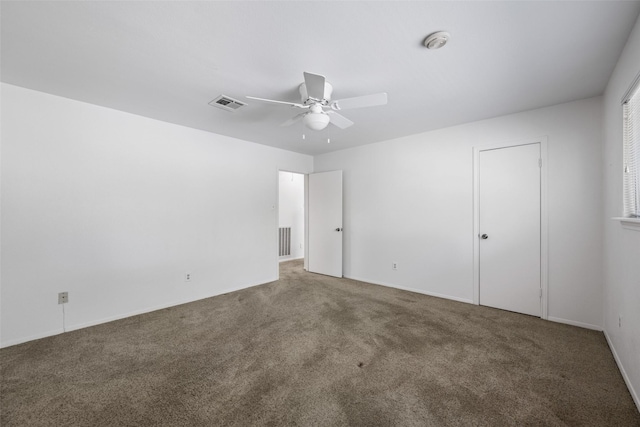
468, 301
159, 307
75, 327
124, 315
50, 333
404, 288
574, 323
627, 381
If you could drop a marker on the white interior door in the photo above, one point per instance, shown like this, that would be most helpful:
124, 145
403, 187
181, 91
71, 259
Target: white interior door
325, 223
509, 235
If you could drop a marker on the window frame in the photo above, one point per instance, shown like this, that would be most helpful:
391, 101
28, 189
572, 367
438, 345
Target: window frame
631, 157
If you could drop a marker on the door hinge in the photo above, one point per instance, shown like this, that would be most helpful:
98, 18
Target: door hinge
540, 292
539, 163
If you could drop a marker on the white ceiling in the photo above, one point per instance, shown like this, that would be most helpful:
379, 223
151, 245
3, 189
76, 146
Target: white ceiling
167, 60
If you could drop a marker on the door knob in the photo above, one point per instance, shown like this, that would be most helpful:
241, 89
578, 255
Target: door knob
484, 236
338, 229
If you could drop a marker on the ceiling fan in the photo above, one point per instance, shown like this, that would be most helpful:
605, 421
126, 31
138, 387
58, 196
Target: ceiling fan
320, 109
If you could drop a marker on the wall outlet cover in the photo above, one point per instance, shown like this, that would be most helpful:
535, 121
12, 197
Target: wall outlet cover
63, 297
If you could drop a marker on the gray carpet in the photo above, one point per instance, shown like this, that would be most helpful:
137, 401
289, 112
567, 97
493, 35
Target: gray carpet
314, 350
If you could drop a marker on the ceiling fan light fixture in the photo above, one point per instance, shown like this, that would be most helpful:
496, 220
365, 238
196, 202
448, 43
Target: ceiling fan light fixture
316, 121
436, 40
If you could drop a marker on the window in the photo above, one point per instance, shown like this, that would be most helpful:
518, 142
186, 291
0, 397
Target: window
631, 189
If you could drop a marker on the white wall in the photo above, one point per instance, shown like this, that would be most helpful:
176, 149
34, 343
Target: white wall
621, 246
410, 200
291, 211
115, 208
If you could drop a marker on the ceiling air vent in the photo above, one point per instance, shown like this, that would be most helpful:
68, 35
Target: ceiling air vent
227, 103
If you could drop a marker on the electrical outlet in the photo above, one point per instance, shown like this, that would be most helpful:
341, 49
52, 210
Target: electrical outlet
394, 265
63, 297
187, 277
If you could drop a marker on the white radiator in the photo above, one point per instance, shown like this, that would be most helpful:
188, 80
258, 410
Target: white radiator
285, 241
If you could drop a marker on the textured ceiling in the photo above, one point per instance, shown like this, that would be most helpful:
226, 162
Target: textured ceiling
167, 60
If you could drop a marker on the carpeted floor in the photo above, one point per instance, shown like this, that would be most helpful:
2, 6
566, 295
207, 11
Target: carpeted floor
315, 350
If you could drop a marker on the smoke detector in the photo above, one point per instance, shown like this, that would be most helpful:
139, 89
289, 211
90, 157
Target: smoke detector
436, 40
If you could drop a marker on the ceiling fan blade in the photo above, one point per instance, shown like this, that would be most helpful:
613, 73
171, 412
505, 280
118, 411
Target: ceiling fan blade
293, 120
271, 101
360, 101
315, 85
339, 120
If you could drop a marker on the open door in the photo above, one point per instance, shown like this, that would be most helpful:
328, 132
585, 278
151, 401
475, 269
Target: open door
325, 223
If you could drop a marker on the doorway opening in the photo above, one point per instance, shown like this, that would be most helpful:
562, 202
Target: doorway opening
291, 216
309, 221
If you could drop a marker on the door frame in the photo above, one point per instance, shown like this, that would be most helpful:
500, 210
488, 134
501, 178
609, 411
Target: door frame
544, 218
276, 207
